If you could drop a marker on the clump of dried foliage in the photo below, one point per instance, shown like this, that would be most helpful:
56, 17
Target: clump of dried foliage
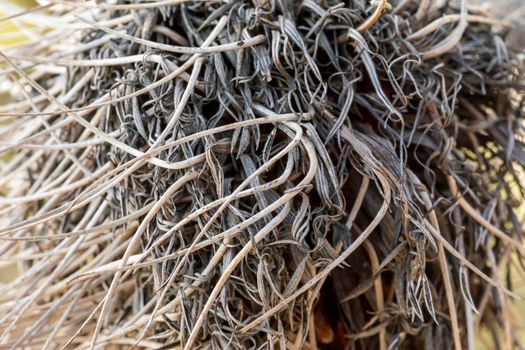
254, 174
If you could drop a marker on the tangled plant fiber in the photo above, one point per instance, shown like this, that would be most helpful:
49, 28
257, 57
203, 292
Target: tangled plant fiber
261, 174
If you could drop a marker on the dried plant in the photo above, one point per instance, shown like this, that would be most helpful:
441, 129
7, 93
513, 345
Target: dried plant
261, 174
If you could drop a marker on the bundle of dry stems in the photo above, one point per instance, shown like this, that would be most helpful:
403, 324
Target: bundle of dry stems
313, 174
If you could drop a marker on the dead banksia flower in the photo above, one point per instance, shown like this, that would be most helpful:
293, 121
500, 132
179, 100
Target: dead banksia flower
261, 174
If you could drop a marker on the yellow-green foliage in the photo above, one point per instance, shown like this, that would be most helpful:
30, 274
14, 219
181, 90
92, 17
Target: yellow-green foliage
12, 32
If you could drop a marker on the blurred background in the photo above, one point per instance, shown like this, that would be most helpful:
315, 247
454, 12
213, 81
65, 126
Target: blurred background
14, 31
